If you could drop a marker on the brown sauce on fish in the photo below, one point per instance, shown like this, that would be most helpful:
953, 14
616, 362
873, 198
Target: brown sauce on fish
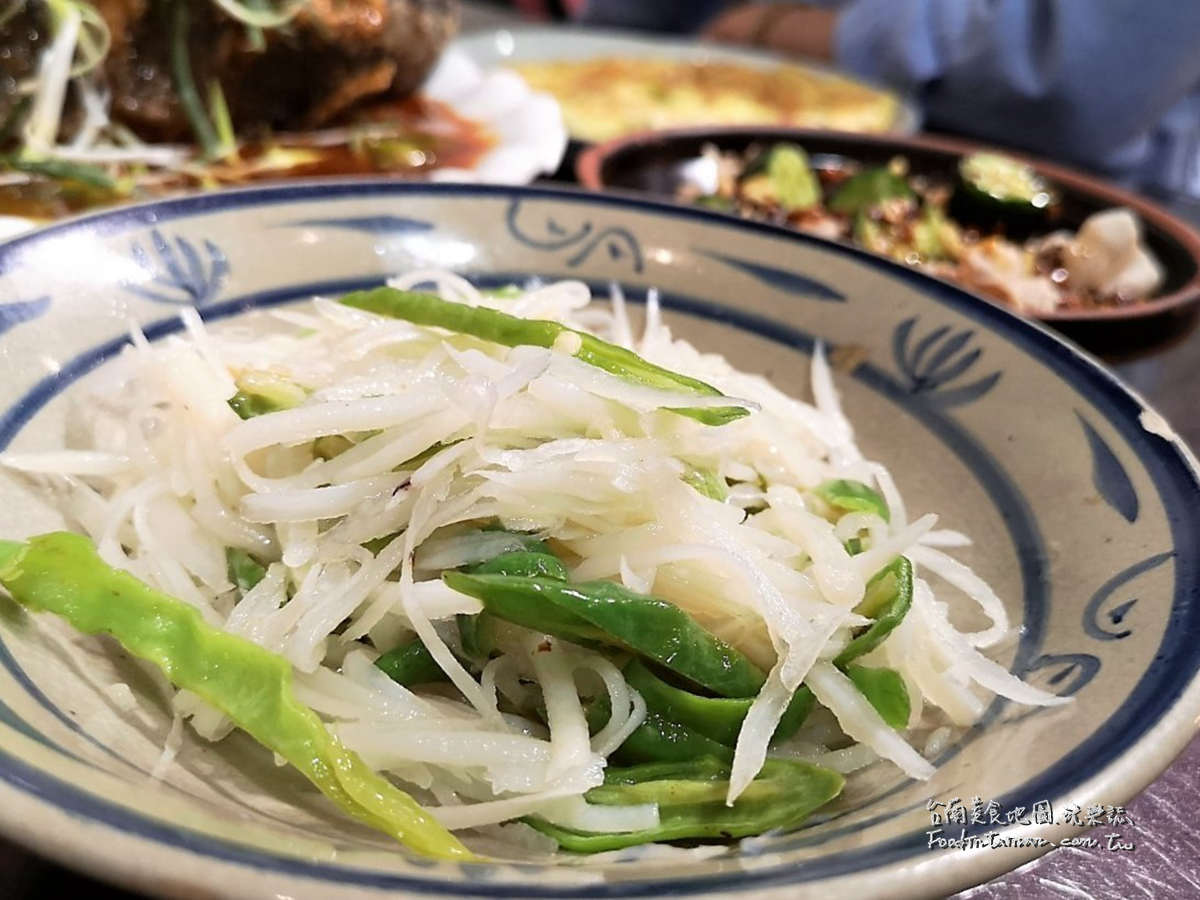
403, 137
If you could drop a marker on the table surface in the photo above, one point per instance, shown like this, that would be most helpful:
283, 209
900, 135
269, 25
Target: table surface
1164, 368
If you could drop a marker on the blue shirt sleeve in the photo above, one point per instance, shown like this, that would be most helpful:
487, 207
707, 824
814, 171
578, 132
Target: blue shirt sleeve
1085, 80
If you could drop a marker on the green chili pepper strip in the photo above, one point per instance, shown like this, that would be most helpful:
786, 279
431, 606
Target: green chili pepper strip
244, 570
658, 739
477, 636
262, 400
268, 394
703, 769
248, 405
61, 573
707, 482
717, 718
478, 632
887, 599
512, 331
601, 612
374, 545
853, 496
523, 563
691, 802
411, 664
886, 691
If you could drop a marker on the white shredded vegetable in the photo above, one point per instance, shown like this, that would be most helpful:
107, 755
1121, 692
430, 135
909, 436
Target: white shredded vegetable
399, 452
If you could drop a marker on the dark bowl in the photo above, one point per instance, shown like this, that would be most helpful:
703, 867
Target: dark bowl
651, 163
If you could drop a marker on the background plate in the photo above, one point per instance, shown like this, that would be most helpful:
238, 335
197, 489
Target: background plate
653, 162
534, 44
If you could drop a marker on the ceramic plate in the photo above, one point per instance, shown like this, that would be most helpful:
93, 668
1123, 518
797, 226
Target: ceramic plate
528, 125
534, 44
1083, 504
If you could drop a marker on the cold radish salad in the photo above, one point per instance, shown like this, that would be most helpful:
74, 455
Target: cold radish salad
493, 564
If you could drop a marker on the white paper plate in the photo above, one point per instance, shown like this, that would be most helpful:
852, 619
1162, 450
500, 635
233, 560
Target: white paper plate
529, 125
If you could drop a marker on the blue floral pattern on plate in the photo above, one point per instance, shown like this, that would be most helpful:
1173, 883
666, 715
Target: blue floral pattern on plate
380, 224
181, 274
1108, 475
1116, 615
581, 240
779, 278
933, 361
13, 314
1071, 672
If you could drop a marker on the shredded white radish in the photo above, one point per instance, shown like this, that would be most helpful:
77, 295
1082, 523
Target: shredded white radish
54, 74
170, 749
973, 664
472, 815
760, 723
578, 814
68, 462
321, 531
970, 584
569, 742
945, 537
849, 759
860, 721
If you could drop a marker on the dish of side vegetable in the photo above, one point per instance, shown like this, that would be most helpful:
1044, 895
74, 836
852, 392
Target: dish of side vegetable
565, 647
527, 565
1044, 241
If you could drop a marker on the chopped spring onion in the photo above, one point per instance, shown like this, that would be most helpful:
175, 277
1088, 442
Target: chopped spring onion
263, 15
64, 169
54, 74
94, 37
185, 83
218, 110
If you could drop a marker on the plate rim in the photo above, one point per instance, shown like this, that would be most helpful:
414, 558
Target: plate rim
909, 117
1155, 746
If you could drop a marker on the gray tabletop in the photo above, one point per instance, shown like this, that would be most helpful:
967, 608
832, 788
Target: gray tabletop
1162, 362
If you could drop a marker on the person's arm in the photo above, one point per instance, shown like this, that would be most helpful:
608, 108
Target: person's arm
1081, 79
799, 28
